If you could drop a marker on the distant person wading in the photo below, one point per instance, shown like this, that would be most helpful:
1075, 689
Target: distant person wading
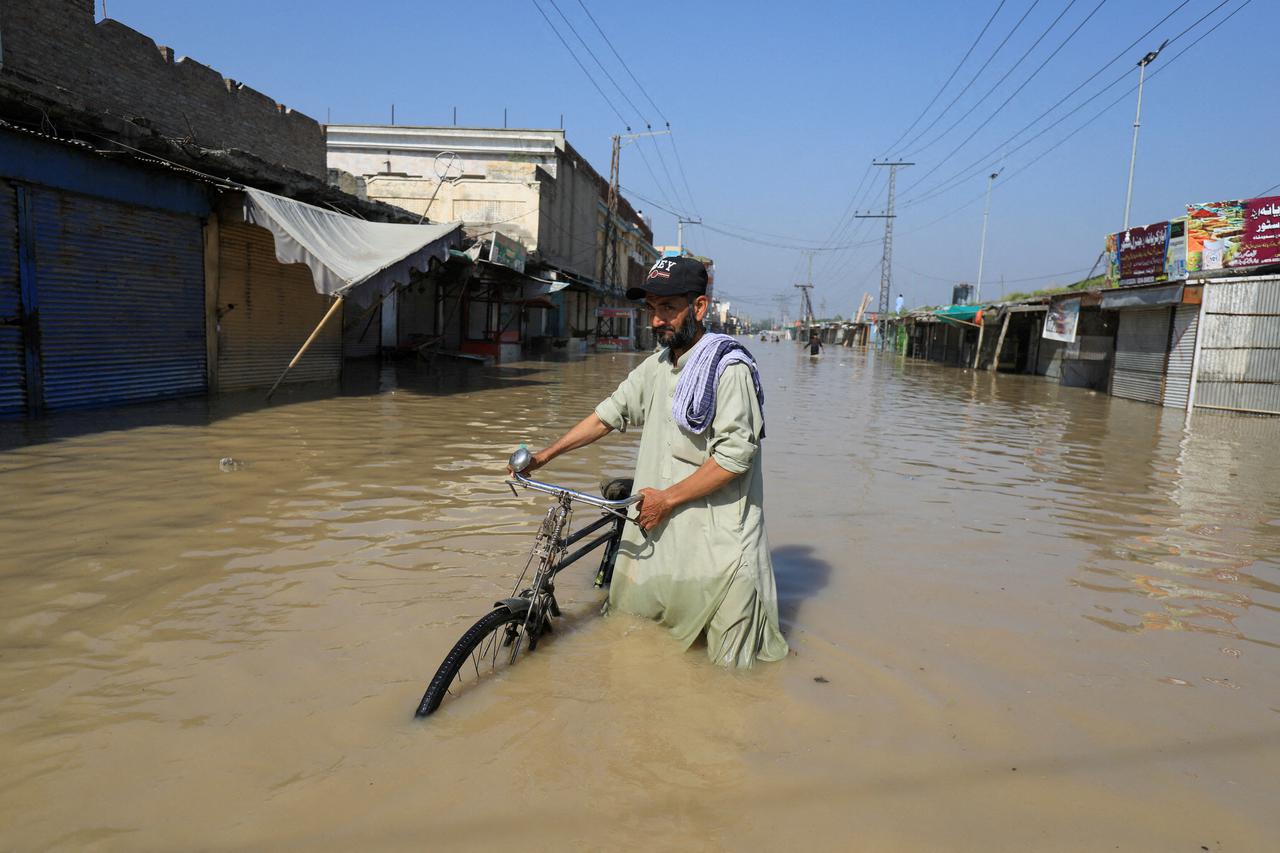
705, 569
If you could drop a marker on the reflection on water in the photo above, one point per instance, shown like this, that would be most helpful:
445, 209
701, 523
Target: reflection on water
976, 573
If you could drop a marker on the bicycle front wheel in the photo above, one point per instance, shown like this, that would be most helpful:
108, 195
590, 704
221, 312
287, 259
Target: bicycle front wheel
487, 648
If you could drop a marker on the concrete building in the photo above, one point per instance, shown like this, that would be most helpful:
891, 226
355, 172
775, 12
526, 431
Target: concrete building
528, 185
128, 271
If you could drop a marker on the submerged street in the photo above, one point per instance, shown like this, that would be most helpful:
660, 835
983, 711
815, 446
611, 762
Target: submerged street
1003, 596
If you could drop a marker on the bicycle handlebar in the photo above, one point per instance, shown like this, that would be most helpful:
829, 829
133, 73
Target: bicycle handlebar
576, 495
521, 459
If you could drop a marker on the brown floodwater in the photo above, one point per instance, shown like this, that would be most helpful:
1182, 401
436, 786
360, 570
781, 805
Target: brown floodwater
1023, 617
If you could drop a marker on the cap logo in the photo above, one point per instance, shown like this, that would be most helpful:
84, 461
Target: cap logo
661, 269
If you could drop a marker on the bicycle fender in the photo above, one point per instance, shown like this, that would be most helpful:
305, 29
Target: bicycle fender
518, 606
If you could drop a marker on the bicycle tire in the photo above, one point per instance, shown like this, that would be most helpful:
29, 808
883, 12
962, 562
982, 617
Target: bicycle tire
464, 651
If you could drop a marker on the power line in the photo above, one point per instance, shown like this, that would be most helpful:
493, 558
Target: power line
656, 183
1124, 95
812, 246
972, 79
653, 103
596, 59
1015, 92
680, 165
623, 63
574, 56
981, 163
952, 76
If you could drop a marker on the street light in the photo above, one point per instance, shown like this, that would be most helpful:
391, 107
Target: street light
1137, 122
982, 253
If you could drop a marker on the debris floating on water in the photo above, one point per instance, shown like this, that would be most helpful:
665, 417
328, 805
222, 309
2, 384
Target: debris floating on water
227, 463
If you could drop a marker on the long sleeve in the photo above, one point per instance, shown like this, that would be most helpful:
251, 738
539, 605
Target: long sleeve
735, 430
625, 406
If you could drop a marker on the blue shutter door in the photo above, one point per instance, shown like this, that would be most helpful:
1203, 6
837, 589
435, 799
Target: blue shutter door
121, 294
13, 398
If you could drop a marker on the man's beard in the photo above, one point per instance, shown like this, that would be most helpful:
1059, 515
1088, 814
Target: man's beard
682, 337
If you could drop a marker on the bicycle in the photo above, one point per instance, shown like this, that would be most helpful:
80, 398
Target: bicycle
494, 642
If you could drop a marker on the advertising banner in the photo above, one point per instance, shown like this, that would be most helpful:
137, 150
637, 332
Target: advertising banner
1175, 259
1214, 230
1061, 320
505, 251
1143, 254
1111, 277
1260, 243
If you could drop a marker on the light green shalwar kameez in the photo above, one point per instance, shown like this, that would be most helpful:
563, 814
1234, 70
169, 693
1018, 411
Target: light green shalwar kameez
707, 567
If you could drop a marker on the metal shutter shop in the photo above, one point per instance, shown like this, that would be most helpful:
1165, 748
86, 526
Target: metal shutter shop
13, 372
120, 296
266, 311
1142, 343
1240, 346
1182, 350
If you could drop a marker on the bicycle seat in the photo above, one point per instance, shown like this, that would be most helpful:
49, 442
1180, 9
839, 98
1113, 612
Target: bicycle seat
616, 490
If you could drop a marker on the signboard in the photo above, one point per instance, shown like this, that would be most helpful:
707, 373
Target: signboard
1143, 252
505, 251
1112, 275
1214, 230
1175, 256
1260, 243
1061, 320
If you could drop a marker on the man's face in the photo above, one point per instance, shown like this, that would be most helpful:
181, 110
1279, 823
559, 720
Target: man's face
675, 318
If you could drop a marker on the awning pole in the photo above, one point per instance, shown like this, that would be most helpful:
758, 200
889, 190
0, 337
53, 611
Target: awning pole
1004, 329
333, 309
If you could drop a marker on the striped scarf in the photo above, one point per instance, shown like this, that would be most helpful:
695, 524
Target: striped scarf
694, 406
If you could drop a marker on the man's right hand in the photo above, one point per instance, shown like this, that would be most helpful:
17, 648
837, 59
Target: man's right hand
539, 459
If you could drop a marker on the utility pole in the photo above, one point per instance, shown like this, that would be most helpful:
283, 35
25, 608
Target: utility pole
609, 262
681, 222
982, 252
887, 256
1137, 122
806, 307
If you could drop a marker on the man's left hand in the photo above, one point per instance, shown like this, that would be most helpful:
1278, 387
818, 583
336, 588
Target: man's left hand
654, 508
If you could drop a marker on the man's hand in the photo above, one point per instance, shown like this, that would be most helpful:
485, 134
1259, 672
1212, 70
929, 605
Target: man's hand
654, 508
539, 459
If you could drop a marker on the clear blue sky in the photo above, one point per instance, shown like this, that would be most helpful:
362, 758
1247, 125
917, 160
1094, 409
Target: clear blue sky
779, 108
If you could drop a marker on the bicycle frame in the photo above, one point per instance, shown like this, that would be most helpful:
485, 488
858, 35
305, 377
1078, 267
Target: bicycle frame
538, 601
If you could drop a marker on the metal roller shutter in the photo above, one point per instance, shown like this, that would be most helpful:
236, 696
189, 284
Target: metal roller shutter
1240, 346
120, 293
1182, 350
1141, 346
267, 309
13, 395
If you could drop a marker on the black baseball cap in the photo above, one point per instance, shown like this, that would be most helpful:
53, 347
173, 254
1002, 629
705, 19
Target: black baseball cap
672, 277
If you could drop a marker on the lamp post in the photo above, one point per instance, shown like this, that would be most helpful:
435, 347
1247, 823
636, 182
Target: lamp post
982, 252
1137, 122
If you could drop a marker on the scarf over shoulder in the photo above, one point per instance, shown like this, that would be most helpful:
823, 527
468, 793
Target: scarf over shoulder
694, 405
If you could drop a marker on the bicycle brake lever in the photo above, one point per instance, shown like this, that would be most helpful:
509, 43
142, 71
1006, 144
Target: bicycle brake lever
512, 487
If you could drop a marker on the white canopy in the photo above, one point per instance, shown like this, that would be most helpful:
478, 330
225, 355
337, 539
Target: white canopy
344, 252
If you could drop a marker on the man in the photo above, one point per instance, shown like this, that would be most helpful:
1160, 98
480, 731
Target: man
705, 567
815, 344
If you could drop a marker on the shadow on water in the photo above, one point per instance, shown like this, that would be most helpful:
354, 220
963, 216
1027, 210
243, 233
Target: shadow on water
362, 378
800, 576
